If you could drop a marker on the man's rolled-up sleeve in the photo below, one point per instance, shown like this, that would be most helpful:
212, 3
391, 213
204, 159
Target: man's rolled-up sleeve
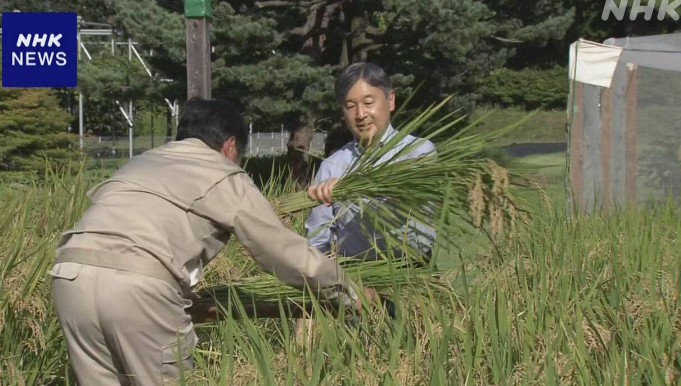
237, 205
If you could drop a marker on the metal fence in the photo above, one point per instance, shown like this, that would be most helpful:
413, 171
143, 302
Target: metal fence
262, 144
259, 144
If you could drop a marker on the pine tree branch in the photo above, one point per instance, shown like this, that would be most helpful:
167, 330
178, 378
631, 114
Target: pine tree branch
366, 48
373, 31
506, 40
276, 3
287, 3
298, 31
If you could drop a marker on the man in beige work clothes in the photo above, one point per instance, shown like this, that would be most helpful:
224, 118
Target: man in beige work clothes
123, 275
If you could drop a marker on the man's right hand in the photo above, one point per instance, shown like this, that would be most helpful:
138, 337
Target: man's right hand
202, 313
323, 191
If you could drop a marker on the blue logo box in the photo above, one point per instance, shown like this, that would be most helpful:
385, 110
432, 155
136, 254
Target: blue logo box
39, 49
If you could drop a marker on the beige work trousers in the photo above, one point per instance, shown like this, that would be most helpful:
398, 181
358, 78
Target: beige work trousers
122, 328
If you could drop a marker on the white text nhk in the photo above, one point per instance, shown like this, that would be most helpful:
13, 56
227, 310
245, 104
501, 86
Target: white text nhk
37, 58
619, 10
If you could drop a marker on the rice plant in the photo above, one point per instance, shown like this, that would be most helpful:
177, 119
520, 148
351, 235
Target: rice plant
32, 350
583, 300
561, 300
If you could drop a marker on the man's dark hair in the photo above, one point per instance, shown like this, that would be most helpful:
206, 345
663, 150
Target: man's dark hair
368, 72
213, 122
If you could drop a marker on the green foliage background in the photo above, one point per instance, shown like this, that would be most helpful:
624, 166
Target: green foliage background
277, 60
528, 88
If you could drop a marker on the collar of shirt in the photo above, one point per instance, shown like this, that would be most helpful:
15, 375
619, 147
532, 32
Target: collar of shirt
389, 133
193, 143
195, 148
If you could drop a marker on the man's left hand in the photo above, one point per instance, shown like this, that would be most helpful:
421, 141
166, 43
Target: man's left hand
323, 192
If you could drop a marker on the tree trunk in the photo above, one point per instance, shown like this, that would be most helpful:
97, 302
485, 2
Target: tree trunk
298, 147
312, 46
345, 57
353, 23
358, 38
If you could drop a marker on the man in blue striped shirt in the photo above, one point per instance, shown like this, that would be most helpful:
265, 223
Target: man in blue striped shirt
365, 94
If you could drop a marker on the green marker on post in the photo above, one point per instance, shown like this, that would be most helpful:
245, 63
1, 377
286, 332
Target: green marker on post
196, 9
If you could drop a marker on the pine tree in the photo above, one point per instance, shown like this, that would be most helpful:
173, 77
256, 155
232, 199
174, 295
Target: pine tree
277, 58
254, 66
33, 129
274, 84
445, 44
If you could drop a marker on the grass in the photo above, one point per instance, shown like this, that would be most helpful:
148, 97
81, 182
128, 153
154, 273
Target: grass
544, 127
584, 300
548, 170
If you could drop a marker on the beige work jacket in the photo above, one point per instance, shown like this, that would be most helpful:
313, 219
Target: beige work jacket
178, 205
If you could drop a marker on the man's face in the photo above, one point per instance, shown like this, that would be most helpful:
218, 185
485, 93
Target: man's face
367, 112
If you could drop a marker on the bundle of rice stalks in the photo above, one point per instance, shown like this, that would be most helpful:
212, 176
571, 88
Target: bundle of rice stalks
443, 190
263, 294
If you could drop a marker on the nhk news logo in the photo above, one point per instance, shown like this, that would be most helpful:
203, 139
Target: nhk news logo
39, 49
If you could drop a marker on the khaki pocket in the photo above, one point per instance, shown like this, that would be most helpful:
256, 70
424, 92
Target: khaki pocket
176, 353
67, 271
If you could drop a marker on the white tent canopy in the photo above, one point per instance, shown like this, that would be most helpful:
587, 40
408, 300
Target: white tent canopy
593, 63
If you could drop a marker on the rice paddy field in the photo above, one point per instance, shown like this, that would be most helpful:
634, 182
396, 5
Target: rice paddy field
561, 300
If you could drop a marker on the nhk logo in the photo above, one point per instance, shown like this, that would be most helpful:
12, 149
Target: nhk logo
39, 49
665, 9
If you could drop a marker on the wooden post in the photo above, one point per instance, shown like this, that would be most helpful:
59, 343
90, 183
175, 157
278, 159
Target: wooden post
81, 130
81, 120
197, 15
153, 112
577, 150
631, 166
131, 141
607, 102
